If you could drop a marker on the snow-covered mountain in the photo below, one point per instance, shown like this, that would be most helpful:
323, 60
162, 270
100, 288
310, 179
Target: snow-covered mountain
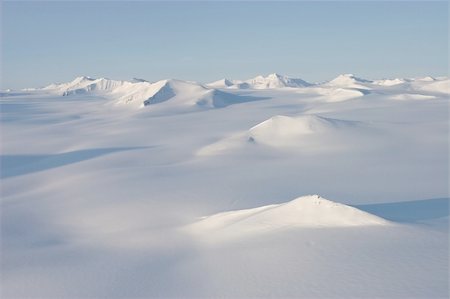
180, 93
348, 80
275, 81
141, 93
261, 82
83, 85
188, 94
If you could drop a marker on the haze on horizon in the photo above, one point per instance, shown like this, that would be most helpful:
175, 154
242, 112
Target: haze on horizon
45, 42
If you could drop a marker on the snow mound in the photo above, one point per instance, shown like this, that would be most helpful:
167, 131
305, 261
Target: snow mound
311, 211
284, 130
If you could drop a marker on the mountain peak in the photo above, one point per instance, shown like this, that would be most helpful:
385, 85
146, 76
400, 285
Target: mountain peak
275, 80
348, 80
275, 75
82, 79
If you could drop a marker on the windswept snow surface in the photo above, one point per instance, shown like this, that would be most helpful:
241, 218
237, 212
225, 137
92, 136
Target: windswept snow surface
104, 184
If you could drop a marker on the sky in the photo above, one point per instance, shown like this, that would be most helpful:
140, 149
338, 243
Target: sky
49, 42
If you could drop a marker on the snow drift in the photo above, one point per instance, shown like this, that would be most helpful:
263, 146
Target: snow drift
282, 130
311, 211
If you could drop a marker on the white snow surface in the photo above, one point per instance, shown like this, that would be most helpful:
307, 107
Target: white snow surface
310, 211
104, 184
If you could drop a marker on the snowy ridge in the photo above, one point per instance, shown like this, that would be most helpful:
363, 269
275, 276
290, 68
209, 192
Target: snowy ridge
311, 211
275, 81
84, 85
140, 93
178, 94
261, 82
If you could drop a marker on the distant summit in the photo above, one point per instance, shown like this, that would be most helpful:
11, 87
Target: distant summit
261, 82
348, 80
276, 81
84, 84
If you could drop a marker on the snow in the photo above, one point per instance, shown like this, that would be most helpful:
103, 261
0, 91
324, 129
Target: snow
441, 86
348, 80
103, 189
280, 131
304, 212
261, 82
299, 133
222, 83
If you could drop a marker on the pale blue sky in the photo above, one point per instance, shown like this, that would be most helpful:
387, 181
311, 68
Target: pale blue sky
44, 42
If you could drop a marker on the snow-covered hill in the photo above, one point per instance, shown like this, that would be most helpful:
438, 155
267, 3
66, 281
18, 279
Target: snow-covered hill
280, 130
288, 132
310, 211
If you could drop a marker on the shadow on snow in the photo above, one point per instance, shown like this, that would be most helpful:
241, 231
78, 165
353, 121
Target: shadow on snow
410, 211
15, 165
